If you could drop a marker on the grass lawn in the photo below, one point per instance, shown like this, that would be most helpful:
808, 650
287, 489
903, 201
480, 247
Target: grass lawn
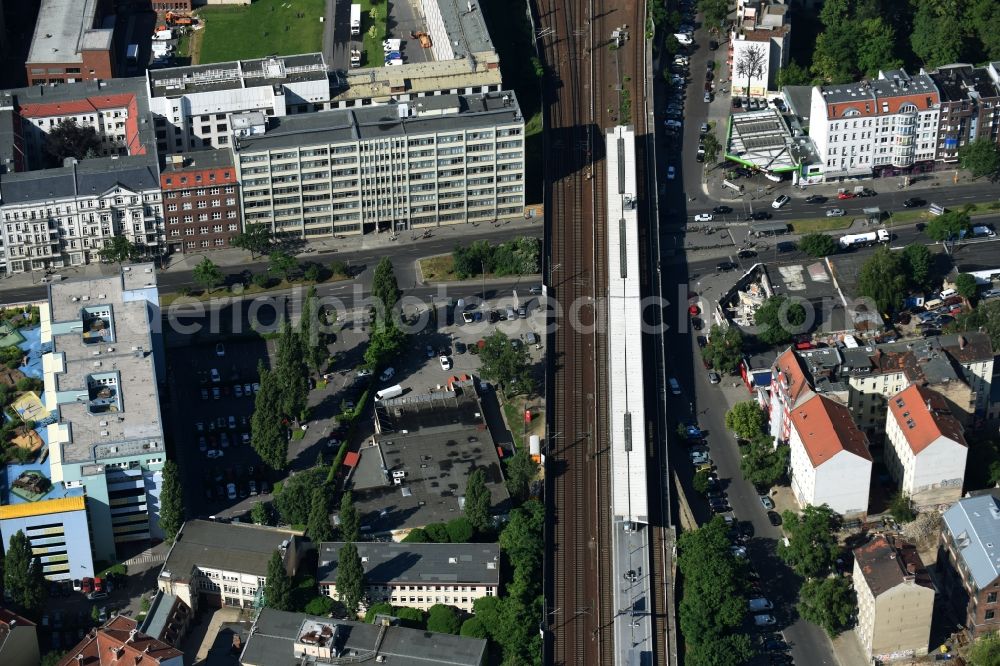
266, 27
373, 33
440, 268
513, 411
821, 224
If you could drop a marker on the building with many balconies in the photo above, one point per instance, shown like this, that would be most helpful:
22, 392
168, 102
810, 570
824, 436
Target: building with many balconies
441, 160
883, 126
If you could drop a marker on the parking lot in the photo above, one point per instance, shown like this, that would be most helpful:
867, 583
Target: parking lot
211, 423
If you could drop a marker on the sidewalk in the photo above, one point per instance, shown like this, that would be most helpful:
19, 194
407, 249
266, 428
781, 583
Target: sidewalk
324, 249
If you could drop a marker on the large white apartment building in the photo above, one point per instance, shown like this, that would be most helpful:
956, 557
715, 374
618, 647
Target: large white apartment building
63, 217
446, 159
927, 450
102, 361
418, 575
862, 128
829, 460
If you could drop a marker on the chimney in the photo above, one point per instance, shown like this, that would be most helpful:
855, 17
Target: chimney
131, 635
911, 568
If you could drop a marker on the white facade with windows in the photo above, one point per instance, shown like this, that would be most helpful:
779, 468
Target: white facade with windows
64, 217
448, 159
887, 123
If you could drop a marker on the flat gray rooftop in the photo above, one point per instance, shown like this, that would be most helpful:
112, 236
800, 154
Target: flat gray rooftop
426, 115
100, 332
417, 563
762, 138
271, 71
275, 633
465, 26
63, 29
236, 547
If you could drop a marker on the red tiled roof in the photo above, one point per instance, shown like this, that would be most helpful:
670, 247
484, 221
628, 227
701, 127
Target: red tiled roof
790, 369
76, 106
826, 428
930, 415
114, 645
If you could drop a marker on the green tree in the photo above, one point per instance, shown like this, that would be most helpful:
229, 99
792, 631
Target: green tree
715, 11
437, 532
700, 481
506, 365
384, 343
724, 349
260, 513
818, 245
876, 45
459, 530
883, 280
828, 603
763, 464
712, 148
778, 318
793, 74
948, 226
207, 274
350, 520
171, 501
901, 508
981, 157
320, 606
53, 658
118, 250
282, 264
267, 434
416, 535
443, 619
812, 542
380, 608
937, 35
984, 651
478, 502
473, 628
410, 617
712, 603
746, 419
385, 290
23, 578
290, 374
313, 339
521, 471
966, 286
350, 578
255, 239
985, 317
523, 536
318, 527
278, 587
68, 139
729, 650
918, 264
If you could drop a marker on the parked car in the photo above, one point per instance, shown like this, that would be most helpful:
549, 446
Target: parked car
445, 362
703, 217
671, 173
387, 374
220, 349
94, 596
713, 378
815, 199
774, 518
212, 454
764, 620
845, 195
914, 202
766, 502
835, 212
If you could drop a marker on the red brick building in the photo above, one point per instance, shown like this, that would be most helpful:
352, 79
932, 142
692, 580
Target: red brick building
73, 41
201, 201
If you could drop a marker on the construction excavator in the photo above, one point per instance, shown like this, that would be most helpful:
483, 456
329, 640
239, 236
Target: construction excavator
173, 18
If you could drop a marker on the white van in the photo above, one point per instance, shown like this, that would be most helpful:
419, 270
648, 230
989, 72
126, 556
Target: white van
948, 293
390, 392
675, 388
